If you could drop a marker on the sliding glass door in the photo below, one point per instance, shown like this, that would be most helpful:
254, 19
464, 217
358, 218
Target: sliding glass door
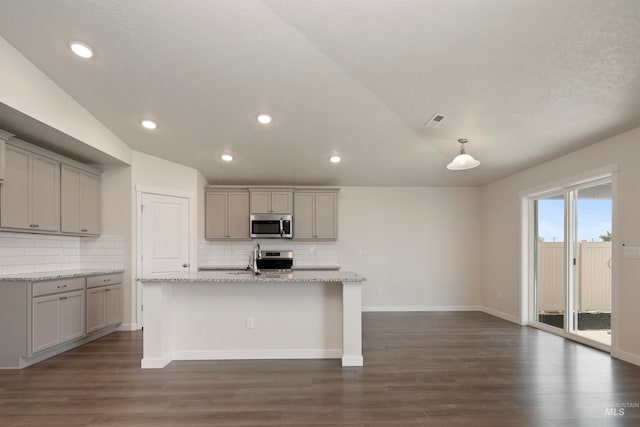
591, 308
550, 268
572, 260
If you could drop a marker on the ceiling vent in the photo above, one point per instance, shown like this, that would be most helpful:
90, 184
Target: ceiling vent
435, 121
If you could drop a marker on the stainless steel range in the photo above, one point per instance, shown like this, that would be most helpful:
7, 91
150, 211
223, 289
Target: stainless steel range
280, 261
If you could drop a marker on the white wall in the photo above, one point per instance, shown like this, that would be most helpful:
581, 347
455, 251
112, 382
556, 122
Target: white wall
116, 218
419, 245
26, 89
501, 207
156, 174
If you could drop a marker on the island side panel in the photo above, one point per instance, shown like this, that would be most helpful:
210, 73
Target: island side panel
289, 321
352, 324
15, 321
158, 325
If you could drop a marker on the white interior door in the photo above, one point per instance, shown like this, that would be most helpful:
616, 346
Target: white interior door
165, 234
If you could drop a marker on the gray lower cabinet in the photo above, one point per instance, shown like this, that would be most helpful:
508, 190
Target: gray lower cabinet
104, 301
39, 319
80, 201
30, 193
227, 215
58, 313
315, 215
57, 319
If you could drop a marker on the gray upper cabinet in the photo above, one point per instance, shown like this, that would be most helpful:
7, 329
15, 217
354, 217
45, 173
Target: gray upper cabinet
271, 201
30, 194
80, 195
315, 215
227, 214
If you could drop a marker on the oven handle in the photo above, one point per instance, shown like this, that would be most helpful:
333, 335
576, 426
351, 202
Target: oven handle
281, 227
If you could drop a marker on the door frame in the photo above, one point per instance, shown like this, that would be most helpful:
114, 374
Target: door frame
527, 272
193, 247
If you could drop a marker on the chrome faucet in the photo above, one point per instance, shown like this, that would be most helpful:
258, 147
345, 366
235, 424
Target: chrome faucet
257, 254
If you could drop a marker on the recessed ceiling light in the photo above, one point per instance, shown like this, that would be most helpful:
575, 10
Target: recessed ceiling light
335, 159
265, 119
81, 49
226, 157
149, 124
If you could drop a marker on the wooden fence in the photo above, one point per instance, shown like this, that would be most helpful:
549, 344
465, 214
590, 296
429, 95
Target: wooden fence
593, 292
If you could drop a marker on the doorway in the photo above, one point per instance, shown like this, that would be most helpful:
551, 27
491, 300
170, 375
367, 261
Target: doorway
571, 284
165, 230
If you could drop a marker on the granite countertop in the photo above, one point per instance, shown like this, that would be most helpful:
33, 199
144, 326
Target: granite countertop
55, 275
249, 277
244, 267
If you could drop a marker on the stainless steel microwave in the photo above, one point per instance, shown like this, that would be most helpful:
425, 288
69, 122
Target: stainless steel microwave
271, 226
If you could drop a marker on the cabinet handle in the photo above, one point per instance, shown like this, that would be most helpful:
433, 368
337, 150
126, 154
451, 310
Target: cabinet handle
106, 280
84, 230
185, 265
63, 298
34, 225
107, 290
61, 286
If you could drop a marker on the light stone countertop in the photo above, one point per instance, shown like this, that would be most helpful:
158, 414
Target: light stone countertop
55, 275
244, 267
249, 277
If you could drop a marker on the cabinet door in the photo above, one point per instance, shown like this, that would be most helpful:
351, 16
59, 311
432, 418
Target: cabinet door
14, 201
238, 215
72, 318
215, 215
89, 203
326, 224
80, 201
70, 199
95, 309
113, 305
281, 202
46, 319
45, 193
303, 216
261, 202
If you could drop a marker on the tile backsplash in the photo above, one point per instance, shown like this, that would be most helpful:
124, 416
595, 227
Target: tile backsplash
30, 253
237, 253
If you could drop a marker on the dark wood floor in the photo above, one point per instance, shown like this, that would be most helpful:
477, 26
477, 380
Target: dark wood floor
422, 369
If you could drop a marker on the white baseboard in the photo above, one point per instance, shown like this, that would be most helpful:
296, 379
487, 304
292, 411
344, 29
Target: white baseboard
501, 315
627, 357
147, 363
352, 361
421, 308
257, 354
128, 327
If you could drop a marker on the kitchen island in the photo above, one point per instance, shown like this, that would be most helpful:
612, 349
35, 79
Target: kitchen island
215, 315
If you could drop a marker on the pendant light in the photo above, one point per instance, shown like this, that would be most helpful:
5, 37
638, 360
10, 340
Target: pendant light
463, 160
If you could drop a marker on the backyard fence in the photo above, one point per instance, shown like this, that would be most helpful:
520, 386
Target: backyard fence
593, 290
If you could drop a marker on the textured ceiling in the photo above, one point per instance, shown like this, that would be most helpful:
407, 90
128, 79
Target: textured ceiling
524, 81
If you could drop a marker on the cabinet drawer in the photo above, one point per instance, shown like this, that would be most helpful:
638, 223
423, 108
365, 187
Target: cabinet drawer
55, 286
103, 279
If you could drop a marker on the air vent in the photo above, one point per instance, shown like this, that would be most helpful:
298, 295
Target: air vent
435, 121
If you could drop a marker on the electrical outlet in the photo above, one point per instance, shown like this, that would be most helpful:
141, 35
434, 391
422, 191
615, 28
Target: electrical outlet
500, 294
251, 323
379, 291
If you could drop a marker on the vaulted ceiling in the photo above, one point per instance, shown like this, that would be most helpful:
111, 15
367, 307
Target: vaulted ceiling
523, 80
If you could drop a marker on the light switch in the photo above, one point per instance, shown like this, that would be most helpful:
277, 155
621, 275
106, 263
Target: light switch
631, 252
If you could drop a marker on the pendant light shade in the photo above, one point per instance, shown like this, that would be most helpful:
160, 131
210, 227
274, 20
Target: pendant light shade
463, 160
